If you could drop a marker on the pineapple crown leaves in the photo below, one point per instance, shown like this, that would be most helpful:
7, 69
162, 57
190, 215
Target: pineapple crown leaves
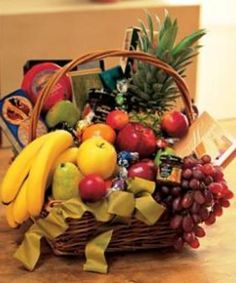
152, 86
164, 41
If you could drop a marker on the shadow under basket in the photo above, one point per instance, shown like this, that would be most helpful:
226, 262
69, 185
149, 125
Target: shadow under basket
132, 237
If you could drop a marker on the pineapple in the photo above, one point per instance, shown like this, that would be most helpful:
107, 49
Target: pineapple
153, 91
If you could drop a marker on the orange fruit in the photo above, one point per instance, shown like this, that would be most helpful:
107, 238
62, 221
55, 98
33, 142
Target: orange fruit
102, 130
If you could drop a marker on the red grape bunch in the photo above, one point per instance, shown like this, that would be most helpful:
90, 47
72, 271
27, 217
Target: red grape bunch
200, 198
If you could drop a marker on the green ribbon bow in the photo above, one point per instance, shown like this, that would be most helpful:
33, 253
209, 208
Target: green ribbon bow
113, 211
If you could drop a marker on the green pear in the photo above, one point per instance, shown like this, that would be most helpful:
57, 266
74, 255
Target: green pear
62, 111
66, 179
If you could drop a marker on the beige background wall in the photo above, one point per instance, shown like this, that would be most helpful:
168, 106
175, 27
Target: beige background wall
216, 84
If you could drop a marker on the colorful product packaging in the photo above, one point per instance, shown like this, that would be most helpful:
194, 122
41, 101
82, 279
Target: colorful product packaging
15, 112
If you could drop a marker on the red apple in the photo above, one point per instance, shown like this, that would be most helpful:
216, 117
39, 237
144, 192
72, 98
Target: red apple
175, 124
92, 188
150, 163
117, 119
135, 137
145, 169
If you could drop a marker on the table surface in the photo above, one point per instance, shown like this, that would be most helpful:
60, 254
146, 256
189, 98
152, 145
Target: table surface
213, 262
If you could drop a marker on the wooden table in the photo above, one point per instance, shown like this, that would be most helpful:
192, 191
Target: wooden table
213, 262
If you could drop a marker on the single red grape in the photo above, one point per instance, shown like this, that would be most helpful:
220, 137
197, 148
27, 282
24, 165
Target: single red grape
229, 195
189, 162
198, 167
218, 175
224, 202
217, 209
197, 174
195, 207
187, 200
195, 243
176, 221
211, 219
198, 197
176, 191
199, 231
185, 184
165, 190
187, 173
177, 204
208, 169
204, 213
206, 158
194, 184
208, 196
187, 223
188, 237
196, 218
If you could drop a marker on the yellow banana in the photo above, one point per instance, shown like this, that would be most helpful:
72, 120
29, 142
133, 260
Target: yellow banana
20, 212
19, 169
10, 217
58, 142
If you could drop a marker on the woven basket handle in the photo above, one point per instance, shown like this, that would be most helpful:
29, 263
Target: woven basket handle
144, 57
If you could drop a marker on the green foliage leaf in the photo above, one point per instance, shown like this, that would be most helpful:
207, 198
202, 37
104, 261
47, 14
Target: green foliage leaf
151, 27
188, 41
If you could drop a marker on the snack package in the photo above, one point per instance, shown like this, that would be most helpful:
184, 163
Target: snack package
15, 111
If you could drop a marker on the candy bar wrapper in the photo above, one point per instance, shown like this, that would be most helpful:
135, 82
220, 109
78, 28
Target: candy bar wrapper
82, 82
206, 136
15, 112
101, 102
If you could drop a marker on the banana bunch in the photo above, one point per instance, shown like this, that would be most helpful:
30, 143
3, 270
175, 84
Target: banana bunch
25, 183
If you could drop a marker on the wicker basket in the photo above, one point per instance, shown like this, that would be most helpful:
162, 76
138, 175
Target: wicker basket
127, 237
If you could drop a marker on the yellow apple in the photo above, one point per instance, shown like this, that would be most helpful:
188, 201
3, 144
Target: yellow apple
97, 156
